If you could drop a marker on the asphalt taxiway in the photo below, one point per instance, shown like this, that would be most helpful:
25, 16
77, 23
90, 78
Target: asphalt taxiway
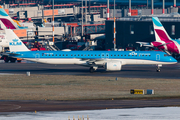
135, 71
31, 106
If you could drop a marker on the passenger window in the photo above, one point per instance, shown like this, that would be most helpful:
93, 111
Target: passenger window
78, 54
71, 55
74, 54
59, 54
91, 54
66, 54
56, 54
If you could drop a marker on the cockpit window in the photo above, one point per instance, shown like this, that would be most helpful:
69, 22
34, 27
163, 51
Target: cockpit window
165, 54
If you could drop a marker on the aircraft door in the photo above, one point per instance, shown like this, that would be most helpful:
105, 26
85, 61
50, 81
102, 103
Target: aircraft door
37, 56
157, 56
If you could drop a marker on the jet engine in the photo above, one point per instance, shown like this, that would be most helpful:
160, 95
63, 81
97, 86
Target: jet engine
113, 66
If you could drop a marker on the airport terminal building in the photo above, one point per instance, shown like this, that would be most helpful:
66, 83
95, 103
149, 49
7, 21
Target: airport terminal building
133, 29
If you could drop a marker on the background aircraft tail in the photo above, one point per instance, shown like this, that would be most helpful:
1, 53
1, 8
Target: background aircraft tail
7, 20
160, 32
15, 44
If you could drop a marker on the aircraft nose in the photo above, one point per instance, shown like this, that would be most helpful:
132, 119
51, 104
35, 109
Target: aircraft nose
173, 60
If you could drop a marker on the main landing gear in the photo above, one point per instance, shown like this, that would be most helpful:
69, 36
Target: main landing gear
92, 69
158, 68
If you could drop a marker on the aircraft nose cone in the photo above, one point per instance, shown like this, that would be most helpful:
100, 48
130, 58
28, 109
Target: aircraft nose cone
173, 60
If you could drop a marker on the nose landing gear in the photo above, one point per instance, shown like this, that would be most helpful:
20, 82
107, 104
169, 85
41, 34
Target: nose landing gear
158, 68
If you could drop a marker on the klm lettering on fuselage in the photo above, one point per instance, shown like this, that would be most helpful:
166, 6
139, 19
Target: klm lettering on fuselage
15, 42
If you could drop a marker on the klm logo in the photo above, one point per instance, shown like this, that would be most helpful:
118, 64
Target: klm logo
15, 42
115, 65
132, 53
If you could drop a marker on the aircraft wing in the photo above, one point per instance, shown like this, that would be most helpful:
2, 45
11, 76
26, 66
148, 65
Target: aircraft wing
164, 44
149, 45
143, 44
10, 53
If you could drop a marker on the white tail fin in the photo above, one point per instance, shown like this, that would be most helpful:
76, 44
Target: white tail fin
15, 44
160, 32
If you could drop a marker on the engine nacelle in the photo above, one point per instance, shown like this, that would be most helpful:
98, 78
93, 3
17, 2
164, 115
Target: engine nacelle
113, 66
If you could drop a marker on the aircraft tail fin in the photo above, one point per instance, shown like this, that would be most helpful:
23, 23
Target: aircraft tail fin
15, 44
160, 32
7, 20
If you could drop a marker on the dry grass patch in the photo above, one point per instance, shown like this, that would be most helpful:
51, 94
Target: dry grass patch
69, 87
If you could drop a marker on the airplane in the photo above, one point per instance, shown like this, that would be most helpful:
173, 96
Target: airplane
163, 41
110, 60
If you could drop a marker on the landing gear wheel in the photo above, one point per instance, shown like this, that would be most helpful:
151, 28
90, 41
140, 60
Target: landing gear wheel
158, 70
6, 59
12, 60
91, 70
18, 61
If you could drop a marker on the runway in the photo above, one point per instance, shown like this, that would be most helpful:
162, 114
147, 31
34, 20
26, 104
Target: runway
31, 106
134, 71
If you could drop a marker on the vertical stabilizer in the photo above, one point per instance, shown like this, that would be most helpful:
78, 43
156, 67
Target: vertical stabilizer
7, 20
160, 32
15, 44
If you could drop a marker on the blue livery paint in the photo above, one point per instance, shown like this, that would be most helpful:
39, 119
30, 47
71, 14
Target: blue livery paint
97, 55
156, 21
2, 12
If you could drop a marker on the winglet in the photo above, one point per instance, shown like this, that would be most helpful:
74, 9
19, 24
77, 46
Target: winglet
15, 44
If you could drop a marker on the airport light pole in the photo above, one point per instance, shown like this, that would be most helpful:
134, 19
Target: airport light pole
86, 12
163, 8
152, 7
114, 28
53, 22
174, 3
82, 23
